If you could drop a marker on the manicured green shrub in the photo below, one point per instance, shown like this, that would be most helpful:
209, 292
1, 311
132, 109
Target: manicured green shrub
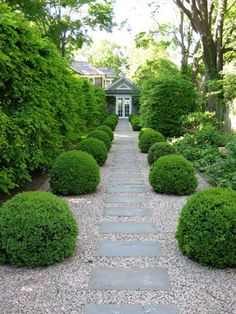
131, 116
102, 136
206, 228
160, 149
107, 130
143, 130
36, 229
74, 173
173, 174
111, 124
94, 147
43, 106
148, 139
164, 100
136, 124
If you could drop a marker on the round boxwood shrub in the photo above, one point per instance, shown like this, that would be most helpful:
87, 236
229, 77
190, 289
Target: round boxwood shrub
173, 174
206, 228
74, 173
94, 147
110, 123
135, 122
102, 136
160, 149
106, 129
148, 139
143, 130
36, 229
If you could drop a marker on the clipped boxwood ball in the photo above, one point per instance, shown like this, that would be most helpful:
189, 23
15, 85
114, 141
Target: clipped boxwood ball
106, 129
36, 229
173, 174
148, 139
110, 124
135, 122
74, 173
102, 136
160, 149
94, 147
143, 130
207, 228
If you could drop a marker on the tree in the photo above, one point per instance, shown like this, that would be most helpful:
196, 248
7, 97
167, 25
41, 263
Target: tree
108, 54
67, 22
209, 19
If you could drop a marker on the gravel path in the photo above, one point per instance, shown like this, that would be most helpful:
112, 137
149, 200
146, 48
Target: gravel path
70, 286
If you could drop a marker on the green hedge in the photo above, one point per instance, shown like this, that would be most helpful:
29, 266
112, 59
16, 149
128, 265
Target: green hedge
135, 122
102, 136
94, 147
107, 130
173, 174
36, 229
43, 106
206, 228
164, 100
74, 173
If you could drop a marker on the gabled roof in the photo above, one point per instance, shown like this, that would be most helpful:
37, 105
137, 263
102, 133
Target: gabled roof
84, 68
108, 72
123, 84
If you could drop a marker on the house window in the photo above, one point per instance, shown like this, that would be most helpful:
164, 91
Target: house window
98, 81
107, 83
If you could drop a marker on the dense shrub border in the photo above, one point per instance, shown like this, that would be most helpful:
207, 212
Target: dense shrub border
206, 228
43, 106
36, 229
74, 173
173, 174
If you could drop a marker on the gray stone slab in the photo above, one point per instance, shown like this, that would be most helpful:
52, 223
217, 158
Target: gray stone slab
126, 212
125, 174
128, 248
131, 309
127, 189
126, 181
148, 279
127, 227
126, 169
126, 199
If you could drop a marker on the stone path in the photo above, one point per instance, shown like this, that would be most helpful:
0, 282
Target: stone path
126, 197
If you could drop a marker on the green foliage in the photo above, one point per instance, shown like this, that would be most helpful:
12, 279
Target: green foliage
206, 228
135, 122
36, 229
102, 136
107, 130
143, 130
160, 149
148, 138
74, 173
66, 23
164, 100
111, 121
42, 104
196, 120
173, 174
94, 147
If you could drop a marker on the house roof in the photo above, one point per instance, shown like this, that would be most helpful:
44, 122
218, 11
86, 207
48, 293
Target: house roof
84, 68
122, 86
108, 72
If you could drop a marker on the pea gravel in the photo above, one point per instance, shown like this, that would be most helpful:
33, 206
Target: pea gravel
62, 288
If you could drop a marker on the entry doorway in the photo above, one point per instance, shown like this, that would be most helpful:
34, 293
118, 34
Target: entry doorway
123, 106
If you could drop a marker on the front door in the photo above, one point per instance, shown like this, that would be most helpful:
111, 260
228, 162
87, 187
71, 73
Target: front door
123, 106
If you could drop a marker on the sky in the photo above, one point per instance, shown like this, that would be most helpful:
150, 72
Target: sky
139, 18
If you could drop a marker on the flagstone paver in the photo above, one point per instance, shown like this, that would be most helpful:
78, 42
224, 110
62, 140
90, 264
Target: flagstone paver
127, 189
111, 278
126, 211
131, 199
127, 227
131, 309
128, 248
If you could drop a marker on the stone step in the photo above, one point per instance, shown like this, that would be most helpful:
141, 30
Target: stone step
127, 189
127, 228
126, 212
126, 199
126, 181
131, 309
128, 248
147, 279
